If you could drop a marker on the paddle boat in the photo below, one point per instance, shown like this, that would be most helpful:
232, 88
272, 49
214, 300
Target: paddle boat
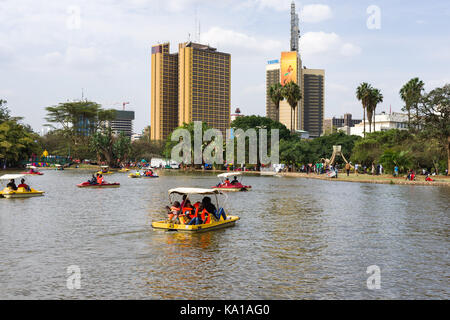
104, 170
136, 174
87, 184
149, 173
234, 185
58, 167
20, 192
32, 170
124, 170
210, 224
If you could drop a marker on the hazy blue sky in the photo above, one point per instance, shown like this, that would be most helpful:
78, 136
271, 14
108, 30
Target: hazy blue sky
50, 50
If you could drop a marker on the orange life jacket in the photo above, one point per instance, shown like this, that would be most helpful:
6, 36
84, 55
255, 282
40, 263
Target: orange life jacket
100, 180
188, 211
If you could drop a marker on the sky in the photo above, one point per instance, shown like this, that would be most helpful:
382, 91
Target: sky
57, 51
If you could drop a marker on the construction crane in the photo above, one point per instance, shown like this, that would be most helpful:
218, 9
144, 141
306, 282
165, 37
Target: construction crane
123, 104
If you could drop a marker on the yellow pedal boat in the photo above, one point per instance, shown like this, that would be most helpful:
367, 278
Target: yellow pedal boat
124, 170
10, 193
213, 224
135, 175
20, 193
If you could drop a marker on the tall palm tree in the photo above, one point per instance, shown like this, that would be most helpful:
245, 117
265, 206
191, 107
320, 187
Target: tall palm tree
375, 97
362, 94
410, 94
276, 95
292, 93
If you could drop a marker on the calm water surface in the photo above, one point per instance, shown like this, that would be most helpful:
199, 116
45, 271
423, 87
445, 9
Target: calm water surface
297, 239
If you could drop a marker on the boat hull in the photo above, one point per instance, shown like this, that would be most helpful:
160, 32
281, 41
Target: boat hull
163, 225
11, 194
105, 185
233, 189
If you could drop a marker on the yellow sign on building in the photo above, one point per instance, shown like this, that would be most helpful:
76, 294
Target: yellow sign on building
288, 67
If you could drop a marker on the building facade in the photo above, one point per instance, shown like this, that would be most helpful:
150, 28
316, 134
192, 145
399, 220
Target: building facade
164, 92
272, 77
123, 122
204, 85
331, 125
313, 101
383, 122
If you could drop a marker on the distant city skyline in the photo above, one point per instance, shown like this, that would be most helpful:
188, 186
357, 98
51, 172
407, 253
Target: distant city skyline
50, 50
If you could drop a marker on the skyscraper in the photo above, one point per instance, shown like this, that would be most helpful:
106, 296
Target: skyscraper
164, 92
272, 77
310, 109
204, 85
313, 88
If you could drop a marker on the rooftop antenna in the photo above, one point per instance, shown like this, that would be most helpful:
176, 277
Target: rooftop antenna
82, 94
295, 30
199, 31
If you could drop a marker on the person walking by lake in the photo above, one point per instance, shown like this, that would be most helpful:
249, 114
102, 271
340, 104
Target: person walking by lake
347, 168
396, 171
373, 168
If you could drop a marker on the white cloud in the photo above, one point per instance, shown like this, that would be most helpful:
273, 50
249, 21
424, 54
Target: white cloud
349, 50
278, 5
315, 13
322, 43
220, 37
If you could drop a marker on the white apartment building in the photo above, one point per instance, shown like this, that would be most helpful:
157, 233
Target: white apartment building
383, 122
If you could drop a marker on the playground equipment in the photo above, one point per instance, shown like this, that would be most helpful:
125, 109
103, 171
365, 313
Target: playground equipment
336, 152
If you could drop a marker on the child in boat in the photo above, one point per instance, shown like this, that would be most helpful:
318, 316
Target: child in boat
100, 179
173, 211
24, 185
187, 212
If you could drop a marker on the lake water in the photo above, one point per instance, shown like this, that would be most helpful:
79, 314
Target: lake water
297, 239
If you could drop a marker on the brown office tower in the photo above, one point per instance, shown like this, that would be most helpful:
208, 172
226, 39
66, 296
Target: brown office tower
313, 91
164, 92
204, 85
272, 77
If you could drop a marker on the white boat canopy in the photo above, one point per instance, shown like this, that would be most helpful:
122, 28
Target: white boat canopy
229, 174
193, 191
57, 165
104, 166
11, 176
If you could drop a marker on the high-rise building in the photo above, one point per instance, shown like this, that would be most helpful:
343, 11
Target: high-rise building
164, 92
295, 29
123, 122
272, 77
204, 85
313, 89
288, 69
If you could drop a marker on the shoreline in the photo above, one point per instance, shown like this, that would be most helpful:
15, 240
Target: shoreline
342, 176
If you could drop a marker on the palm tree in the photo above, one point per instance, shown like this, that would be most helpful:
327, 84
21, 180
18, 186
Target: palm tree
292, 93
375, 97
410, 94
276, 95
362, 94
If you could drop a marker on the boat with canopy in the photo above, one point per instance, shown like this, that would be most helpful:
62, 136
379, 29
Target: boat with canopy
211, 222
21, 192
235, 185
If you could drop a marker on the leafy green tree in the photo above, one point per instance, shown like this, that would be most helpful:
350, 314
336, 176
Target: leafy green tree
434, 117
391, 158
169, 144
411, 93
363, 94
375, 97
4, 111
276, 95
292, 93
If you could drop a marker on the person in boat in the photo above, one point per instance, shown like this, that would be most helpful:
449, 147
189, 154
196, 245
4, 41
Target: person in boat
173, 212
24, 185
100, 179
93, 180
183, 201
226, 182
12, 184
235, 180
211, 208
199, 216
187, 211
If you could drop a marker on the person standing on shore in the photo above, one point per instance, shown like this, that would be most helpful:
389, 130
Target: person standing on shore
347, 168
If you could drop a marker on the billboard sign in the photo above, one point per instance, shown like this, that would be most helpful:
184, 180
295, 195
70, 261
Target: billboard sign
288, 67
